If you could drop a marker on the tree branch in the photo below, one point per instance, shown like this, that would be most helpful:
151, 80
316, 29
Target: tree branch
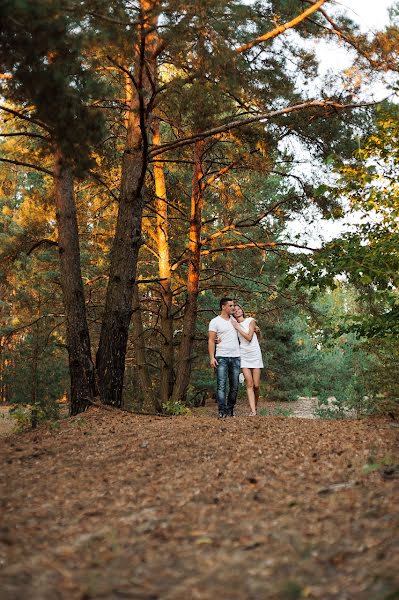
260, 245
225, 169
256, 245
28, 165
24, 118
99, 277
268, 211
40, 243
102, 182
281, 28
245, 222
264, 117
22, 327
23, 133
336, 30
123, 70
157, 280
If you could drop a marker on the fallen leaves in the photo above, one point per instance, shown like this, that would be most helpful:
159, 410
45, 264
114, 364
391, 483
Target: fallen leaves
116, 505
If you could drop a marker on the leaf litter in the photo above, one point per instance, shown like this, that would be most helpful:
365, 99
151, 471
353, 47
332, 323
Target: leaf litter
115, 505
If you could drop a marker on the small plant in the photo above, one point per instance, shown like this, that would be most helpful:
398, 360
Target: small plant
375, 464
78, 422
55, 426
175, 407
332, 408
29, 416
292, 591
22, 417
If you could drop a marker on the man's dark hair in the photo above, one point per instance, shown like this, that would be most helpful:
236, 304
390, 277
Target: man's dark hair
224, 301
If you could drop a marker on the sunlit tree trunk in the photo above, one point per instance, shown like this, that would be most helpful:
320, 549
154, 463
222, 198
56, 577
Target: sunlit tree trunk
123, 268
165, 314
82, 373
183, 365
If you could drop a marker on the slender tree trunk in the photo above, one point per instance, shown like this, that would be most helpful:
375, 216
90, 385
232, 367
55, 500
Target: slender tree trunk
82, 373
190, 312
166, 318
122, 274
35, 360
150, 402
3, 371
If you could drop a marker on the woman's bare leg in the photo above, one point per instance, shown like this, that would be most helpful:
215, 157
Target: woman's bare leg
256, 381
250, 388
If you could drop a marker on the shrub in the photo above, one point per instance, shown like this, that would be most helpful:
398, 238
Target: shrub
28, 416
175, 407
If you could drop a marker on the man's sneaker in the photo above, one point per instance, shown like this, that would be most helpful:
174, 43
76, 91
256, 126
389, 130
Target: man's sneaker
222, 415
230, 414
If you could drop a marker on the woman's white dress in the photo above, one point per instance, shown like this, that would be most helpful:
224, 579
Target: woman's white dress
251, 356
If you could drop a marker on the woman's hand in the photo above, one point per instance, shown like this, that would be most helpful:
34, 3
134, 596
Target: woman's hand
234, 323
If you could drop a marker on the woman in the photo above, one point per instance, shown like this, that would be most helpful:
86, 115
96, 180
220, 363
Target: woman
251, 356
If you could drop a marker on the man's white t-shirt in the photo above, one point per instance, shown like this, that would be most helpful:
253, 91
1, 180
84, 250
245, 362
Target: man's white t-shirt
228, 345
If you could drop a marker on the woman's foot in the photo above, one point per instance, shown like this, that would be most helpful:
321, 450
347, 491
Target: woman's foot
252, 414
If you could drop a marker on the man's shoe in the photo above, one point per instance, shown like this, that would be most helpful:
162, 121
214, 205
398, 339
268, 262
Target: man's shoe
230, 413
222, 415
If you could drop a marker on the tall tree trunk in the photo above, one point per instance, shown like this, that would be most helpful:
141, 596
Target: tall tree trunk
150, 402
118, 304
190, 312
165, 315
81, 368
35, 359
123, 268
4, 386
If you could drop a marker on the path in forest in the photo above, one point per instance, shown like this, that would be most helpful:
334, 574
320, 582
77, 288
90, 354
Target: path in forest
303, 408
112, 505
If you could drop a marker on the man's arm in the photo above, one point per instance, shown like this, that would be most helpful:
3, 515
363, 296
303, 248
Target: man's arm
211, 347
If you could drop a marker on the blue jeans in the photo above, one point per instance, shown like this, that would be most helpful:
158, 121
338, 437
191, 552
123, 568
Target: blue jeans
228, 366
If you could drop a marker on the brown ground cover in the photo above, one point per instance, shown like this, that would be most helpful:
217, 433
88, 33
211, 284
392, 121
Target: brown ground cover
113, 505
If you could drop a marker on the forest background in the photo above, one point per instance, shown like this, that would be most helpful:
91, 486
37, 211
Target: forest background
154, 157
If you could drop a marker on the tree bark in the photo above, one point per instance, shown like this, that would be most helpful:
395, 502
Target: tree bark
165, 274
82, 373
5, 395
190, 312
150, 401
35, 360
118, 304
123, 268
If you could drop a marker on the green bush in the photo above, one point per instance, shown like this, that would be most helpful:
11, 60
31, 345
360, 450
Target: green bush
28, 416
175, 407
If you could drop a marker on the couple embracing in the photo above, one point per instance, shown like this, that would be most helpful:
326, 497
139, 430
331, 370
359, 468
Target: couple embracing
233, 345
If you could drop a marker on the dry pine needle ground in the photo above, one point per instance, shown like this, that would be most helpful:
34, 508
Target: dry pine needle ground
113, 505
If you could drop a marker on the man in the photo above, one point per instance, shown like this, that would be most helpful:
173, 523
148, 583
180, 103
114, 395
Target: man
227, 358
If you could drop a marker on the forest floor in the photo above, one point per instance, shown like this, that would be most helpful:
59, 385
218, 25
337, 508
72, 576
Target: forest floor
111, 505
